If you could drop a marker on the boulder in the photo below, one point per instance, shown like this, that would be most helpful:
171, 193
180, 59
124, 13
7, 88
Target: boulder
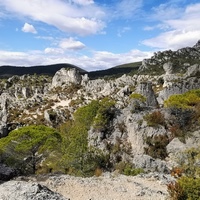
150, 164
168, 67
67, 77
26, 190
145, 89
194, 70
175, 146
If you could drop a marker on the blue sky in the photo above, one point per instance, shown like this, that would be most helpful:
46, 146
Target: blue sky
94, 34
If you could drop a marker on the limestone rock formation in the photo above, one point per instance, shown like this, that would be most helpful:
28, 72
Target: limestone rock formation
168, 67
145, 88
66, 76
22, 190
150, 164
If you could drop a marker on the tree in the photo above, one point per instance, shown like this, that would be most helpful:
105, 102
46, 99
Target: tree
26, 147
78, 158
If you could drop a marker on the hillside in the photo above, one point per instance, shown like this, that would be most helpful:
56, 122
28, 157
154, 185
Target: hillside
8, 71
117, 71
145, 123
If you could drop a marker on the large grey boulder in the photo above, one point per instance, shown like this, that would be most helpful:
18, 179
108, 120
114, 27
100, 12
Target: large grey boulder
168, 67
67, 77
21, 190
193, 70
150, 164
175, 146
145, 88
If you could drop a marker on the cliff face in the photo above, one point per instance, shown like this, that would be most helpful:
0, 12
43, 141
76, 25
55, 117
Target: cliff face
32, 99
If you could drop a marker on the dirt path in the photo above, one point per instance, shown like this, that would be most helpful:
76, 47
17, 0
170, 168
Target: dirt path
107, 187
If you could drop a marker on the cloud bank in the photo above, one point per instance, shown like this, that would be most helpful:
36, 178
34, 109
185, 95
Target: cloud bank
81, 17
181, 30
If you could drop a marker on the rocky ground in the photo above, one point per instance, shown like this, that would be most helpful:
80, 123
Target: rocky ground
106, 187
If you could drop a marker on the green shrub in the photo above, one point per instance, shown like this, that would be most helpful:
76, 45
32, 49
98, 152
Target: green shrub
189, 160
176, 191
186, 188
128, 169
138, 97
78, 159
104, 115
86, 114
184, 101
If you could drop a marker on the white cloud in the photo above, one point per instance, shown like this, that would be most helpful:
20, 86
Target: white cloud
166, 11
98, 60
110, 59
53, 50
83, 2
71, 44
64, 15
127, 8
28, 28
19, 58
44, 37
182, 31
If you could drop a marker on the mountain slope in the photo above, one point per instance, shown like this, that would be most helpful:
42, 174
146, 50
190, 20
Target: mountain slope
8, 71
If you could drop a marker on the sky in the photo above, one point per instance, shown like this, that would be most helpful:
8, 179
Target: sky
94, 34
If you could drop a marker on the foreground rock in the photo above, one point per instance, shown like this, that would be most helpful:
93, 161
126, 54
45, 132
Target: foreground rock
21, 190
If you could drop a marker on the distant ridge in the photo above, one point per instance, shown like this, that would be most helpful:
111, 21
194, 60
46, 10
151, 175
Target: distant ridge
116, 71
8, 71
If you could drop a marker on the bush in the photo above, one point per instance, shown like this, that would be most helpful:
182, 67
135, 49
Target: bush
86, 114
78, 159
157, 146
105, 114
128, 169
189, 162
155, 118
184, 101
176, 191
186, 188
138, 97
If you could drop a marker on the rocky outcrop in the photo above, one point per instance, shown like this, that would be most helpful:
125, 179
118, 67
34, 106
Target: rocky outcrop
3, 115
66, 76
150, 164
176, 149
26, 190
176, 84
168, 67
181, 59
145, 88
194, 70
